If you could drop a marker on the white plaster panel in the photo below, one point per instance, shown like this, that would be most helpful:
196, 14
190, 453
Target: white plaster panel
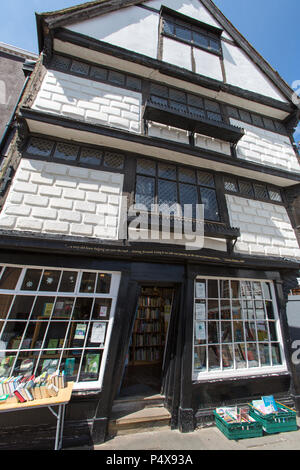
266, 147
265, 228
131, 28
192, 8
208, 64
51, 198
162, 131
243, 73
177, 53
209, 143
89, 101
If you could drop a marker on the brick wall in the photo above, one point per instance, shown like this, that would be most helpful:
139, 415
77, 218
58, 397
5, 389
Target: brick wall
60, 199
266, 147
265, 228
89, 101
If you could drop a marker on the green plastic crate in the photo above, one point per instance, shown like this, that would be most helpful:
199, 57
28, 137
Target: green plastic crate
236, 431
276, 422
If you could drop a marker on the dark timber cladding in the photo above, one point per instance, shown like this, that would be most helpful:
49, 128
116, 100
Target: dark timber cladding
136, 322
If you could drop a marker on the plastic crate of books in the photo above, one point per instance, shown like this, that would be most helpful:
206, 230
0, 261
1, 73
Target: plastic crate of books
281, 420
237, 424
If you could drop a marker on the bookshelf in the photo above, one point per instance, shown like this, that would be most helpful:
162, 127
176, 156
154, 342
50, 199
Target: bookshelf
151, 326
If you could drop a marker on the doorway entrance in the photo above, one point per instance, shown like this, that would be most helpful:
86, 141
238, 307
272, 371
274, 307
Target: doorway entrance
145, 359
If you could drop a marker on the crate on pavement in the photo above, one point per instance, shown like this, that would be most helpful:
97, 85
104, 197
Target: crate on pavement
238, 430
283, 420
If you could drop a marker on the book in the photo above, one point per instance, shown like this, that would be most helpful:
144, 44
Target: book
19, 396
49, 365
69, 366
47, 310
52, 344
270, 402
26, 367
92, 363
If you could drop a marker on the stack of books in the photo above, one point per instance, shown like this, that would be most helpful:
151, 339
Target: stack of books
266, 405
22, 389
235, 415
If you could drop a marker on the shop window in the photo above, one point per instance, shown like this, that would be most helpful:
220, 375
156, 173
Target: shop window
56, 319
236, 328
167, 184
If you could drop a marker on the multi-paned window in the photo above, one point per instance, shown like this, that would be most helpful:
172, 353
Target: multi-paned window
95, 72
252, 190
236, 328
56, 319
192, 34
164, 185
256, 119
183, 102
73, 153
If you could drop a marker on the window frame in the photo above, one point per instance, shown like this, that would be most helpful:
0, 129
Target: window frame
194, 26
178, 166
221, 374
80, 148
269, 187
76, 294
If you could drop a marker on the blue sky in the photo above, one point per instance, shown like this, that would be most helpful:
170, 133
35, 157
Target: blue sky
271, 26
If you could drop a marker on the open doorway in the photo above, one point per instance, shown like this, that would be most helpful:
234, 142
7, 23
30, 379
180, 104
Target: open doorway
145, 359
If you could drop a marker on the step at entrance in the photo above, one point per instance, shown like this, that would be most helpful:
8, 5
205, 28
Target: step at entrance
138, 414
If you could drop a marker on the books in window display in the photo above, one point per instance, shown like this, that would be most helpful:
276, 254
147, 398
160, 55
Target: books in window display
22, 389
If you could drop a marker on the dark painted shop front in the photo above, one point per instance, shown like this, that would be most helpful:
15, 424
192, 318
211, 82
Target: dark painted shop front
223, 339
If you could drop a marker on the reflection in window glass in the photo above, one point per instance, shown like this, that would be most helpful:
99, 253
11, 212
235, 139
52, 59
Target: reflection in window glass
103, 283
82, 309
12, 334
21, 307
10, 278
88, 282
31, 279
6, 365
50, 281
68, 281
200, 358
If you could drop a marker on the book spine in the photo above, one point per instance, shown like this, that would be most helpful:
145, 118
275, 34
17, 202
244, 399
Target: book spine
19, 396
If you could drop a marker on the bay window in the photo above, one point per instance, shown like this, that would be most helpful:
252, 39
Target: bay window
167, 184
56, 319
236, 328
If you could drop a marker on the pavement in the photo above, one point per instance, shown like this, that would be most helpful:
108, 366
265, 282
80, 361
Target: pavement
202, 439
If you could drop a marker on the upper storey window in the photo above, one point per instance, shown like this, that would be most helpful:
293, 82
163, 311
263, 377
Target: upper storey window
200, 35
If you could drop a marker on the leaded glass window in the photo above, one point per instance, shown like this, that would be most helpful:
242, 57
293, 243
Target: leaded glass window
168, 184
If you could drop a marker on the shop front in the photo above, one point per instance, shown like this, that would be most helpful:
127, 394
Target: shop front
199, 335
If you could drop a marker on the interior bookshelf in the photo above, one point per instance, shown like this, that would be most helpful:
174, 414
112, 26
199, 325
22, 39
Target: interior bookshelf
151, 326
